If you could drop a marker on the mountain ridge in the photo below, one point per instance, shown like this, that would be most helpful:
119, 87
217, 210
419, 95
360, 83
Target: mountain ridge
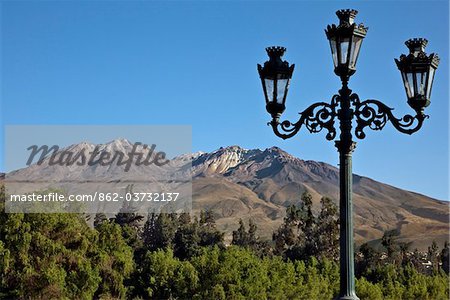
238, 183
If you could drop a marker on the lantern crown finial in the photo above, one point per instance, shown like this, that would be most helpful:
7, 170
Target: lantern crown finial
275, 51
346, 16
416, 45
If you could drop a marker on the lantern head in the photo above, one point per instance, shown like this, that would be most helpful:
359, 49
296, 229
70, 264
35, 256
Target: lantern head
275, 78
345, 42
417, 69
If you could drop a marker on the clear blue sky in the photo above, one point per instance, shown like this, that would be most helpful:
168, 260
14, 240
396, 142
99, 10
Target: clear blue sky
194, 62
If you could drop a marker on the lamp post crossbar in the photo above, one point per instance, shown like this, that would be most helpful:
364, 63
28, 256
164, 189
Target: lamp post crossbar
369, 113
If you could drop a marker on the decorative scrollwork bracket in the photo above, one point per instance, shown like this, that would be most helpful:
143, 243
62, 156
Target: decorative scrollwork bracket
315, 118
369, 113
375, 114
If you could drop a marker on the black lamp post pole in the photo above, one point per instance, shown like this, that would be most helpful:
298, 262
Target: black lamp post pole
417, 69
345, 148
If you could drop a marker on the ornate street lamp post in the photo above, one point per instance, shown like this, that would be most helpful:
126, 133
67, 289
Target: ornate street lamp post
417, 70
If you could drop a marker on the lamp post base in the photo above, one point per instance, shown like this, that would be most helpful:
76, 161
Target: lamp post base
347, 297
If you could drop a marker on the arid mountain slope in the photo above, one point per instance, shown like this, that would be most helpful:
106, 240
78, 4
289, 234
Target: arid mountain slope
238, 183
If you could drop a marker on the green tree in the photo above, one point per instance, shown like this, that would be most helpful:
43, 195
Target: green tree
433, 256
244, 238
404, 248
99, 219
207, 230
164, 276
114, 259
389, 241
297, 236
328, 230
370, 259
286, 237
187, 239
128, 214
47, 256
159, 231
308, 226
445, 258
130, 221
368, 290
416, 260
239, 271
249, 239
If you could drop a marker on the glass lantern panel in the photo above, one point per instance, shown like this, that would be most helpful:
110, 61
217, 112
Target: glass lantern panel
409, 92
344, 44
269, 89
281, 89
420, 83
409, 84
334, 52
354, 51
430, 83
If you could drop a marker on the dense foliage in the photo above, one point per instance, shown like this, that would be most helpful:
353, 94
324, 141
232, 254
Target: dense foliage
58, 256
